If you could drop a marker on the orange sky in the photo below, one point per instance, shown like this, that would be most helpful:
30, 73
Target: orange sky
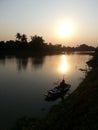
43, 18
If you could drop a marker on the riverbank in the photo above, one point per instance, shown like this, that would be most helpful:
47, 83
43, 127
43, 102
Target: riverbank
78, 112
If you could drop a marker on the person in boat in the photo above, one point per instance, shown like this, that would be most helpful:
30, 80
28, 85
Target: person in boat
62, 84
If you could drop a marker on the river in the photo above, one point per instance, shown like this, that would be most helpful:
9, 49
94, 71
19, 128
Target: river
25, 80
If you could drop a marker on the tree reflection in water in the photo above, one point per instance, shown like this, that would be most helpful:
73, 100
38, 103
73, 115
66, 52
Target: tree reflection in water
22, 62
37, 62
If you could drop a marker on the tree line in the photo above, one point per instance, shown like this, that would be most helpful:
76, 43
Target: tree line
37, 44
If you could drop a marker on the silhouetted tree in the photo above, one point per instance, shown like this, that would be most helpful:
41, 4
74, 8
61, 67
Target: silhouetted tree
2, 45
84, 47
38, 45
37, 39
37, 42
18, 36
24, 38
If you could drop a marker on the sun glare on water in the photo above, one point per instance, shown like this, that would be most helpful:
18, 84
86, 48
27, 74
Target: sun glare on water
64, 29
63, 66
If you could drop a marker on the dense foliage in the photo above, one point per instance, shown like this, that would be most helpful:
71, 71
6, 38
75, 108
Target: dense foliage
37, 44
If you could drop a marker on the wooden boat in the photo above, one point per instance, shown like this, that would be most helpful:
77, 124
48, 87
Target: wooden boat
58, 91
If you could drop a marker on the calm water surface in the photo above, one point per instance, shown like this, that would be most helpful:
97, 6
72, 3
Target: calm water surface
24, 81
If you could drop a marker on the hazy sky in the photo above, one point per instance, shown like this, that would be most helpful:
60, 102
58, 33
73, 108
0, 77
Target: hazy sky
42, 17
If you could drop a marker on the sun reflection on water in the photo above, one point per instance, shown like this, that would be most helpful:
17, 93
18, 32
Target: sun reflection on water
63, 65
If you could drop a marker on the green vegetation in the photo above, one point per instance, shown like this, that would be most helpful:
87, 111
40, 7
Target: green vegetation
78, 112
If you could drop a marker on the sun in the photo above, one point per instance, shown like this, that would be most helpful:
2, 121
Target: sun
64, 29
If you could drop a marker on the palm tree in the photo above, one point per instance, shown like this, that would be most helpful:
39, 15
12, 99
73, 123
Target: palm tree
18, 36
24, 38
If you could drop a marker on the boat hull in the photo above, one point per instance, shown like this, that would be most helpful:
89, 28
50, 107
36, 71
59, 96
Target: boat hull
53, 95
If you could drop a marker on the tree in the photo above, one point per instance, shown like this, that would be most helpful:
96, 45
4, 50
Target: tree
37, 42
37, 39
24, 38
18, 36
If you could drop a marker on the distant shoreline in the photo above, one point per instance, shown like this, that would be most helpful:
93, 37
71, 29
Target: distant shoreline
30, 53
